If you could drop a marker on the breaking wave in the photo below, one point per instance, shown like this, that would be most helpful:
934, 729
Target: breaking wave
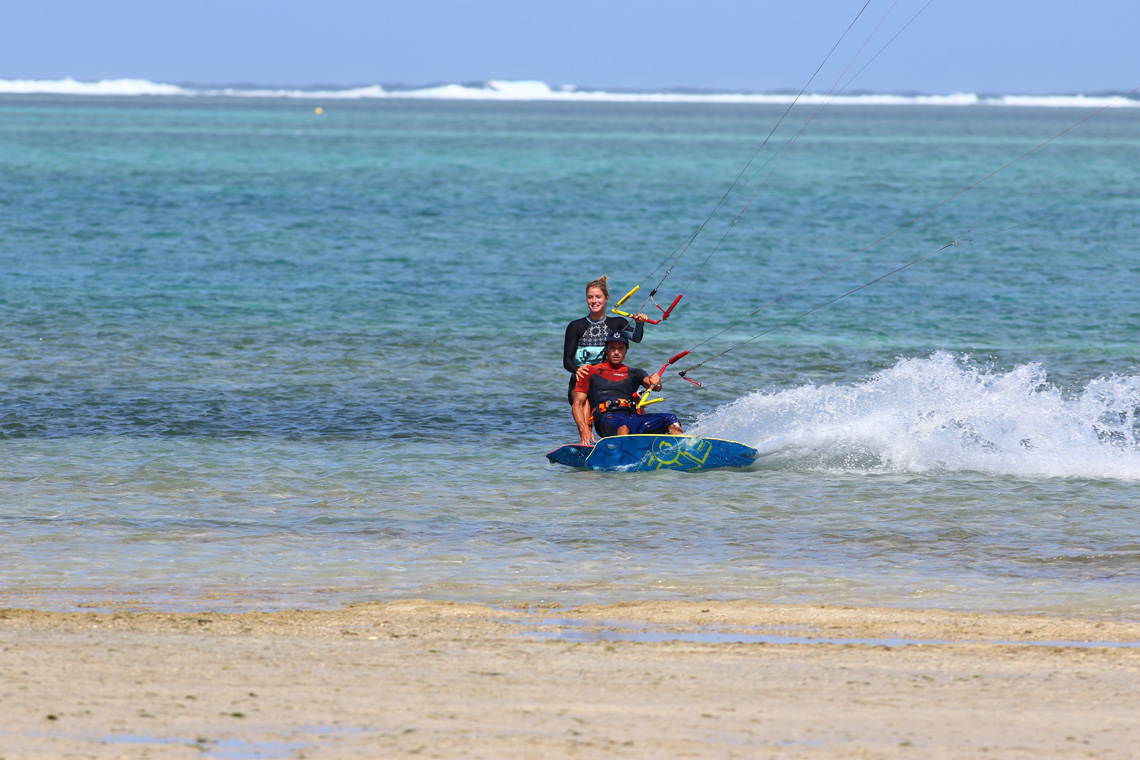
533, 90
944, 414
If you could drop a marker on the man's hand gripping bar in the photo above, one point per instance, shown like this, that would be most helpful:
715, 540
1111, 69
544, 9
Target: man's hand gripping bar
643, 399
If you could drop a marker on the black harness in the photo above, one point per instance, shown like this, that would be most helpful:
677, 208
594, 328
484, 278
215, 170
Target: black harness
615, 405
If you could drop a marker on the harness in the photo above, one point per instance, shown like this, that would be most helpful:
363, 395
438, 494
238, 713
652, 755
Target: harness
615, 405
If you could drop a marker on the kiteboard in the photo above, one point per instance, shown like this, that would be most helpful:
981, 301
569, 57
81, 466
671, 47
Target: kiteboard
645, 453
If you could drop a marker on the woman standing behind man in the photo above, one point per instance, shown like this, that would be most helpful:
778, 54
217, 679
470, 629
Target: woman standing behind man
586, 337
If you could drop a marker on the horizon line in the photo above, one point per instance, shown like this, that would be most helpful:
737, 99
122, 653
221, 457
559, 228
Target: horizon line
538, 90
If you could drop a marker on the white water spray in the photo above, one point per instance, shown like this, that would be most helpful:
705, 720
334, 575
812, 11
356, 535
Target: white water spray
944, 414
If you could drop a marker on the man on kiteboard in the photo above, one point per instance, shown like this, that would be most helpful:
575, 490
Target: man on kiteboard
608, 391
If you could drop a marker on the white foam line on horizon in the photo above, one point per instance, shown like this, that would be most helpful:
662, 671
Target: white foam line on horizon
71, 86
536, 91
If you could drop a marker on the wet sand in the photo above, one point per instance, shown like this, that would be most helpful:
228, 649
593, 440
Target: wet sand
450, 680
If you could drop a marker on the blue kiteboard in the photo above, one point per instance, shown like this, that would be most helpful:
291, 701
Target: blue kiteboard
644, 453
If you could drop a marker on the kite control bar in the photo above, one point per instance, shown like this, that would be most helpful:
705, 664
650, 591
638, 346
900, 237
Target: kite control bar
643, 399
664, 312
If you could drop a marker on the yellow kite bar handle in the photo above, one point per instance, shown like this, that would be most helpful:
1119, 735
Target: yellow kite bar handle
646, 401
626, 298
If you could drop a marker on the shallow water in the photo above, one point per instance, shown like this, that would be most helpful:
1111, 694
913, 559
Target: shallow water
577, 630
297, 361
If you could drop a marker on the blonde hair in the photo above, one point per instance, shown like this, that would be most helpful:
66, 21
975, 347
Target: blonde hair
600, 284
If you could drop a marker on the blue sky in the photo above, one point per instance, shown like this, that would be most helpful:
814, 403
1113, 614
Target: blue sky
984, 46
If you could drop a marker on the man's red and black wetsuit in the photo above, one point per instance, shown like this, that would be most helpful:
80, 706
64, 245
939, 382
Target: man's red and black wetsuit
610, 392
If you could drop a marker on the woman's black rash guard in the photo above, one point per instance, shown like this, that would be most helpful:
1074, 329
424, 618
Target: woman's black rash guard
574, 332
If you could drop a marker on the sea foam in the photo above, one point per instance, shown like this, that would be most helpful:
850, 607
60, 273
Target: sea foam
74, 87
944, 413
535, 90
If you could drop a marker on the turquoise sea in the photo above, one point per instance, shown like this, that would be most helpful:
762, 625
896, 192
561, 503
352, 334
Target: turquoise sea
256, 357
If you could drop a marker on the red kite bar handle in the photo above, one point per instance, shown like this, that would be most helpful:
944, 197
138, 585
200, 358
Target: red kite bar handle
665, 366
666, 312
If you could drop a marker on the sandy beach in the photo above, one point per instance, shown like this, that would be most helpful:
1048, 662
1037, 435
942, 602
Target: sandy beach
451, 680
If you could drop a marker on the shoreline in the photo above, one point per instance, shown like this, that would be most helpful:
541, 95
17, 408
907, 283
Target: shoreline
445, 679
320, 599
